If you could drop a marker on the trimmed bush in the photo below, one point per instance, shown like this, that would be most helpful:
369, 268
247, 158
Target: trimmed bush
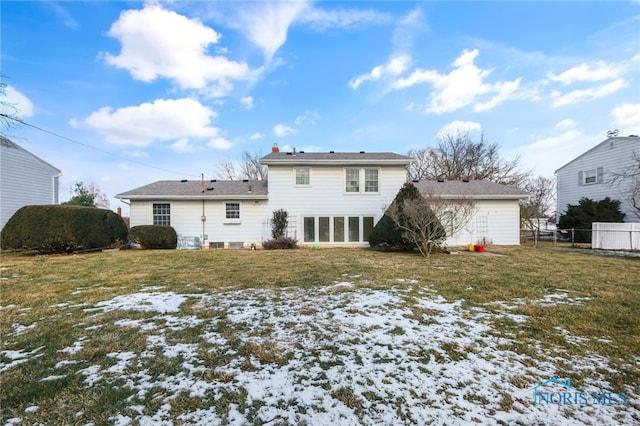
154, 236
280, 243
580, 216
62, 229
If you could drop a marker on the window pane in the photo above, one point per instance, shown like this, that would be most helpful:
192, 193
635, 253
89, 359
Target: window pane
354, 229
338, 229
367, 227
233, 211
323, 229
590, 176
309, 229
352, 179
370, 180
162, 214
302, 176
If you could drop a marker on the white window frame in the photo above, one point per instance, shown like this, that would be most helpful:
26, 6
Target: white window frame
160, 215
348, 182
587, 175
364, 179
232, 220
295, 176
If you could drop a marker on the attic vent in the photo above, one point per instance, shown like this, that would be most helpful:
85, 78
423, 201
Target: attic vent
183, 180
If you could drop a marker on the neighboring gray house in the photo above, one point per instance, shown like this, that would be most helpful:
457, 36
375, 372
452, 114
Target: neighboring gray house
333, 198
591, 175
24, 180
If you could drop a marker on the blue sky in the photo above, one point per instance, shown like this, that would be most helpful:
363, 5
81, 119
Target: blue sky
167, 90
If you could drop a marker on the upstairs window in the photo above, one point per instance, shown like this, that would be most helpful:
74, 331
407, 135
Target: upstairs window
370, 180
303, 176
162, 214
352, 180
591, 176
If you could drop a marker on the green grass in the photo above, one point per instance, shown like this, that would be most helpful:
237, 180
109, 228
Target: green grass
607, 315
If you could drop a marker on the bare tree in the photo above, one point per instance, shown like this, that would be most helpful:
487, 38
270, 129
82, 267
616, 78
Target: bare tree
249, 168
458, 157
226, 170
627, 180
427, 220
9, 112
542, 192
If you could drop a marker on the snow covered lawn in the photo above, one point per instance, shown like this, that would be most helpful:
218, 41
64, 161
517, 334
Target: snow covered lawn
349, 353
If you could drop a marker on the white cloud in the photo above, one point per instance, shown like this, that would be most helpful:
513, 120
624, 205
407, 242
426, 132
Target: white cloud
266, 24
461, 87
585, 72
585, 95
459, 127
159, 43
396, 66
281, 130
182, 145
346, 18
247, 102
18, 104
162, 120
220, 143
138, 153
310, 117
627, 118
547, 155
257, 136
567, 123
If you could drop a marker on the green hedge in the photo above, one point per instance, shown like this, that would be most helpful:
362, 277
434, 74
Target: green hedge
154, 236
62, 229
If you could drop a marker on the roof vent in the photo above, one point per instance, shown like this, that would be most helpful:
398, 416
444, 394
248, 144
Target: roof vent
633, 136
213, 180
210, 188
183, 180
415, 181
301, 152
361, 152
332, 152
245, 180
465, 180
440, 179
288, 153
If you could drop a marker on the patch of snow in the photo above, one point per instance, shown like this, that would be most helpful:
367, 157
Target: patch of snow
31, 409
145, 302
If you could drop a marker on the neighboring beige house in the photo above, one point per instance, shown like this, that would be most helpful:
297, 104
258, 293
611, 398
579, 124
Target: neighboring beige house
590, 175
24, 180
333, 198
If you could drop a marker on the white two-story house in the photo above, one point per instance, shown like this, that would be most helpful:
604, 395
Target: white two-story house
25, 179
593, 175
332, 198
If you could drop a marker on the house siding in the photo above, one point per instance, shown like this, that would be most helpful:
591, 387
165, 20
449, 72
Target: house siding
186, 219
325, 196
604, 159
494, 222
25, 180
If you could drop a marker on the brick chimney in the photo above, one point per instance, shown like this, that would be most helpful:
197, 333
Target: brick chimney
275, 148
